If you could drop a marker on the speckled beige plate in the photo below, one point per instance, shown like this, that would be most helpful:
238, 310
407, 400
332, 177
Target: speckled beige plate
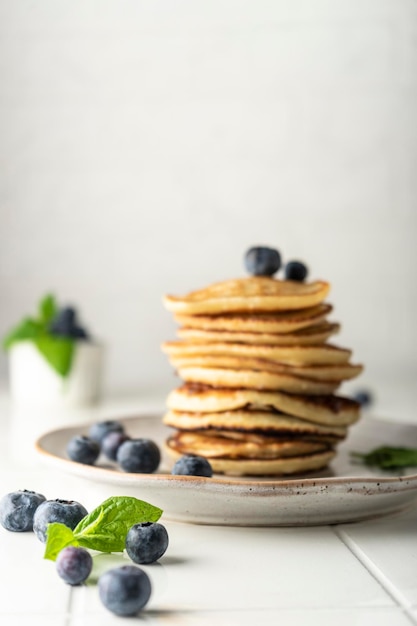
346, 492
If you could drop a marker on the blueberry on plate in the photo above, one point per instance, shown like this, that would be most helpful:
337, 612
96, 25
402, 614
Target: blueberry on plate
124, 590
66, 512
189, 465
100, 429
295, 270
17, 510
83, 450
111, 443
74, 565
146, 542
140, 456
262, 261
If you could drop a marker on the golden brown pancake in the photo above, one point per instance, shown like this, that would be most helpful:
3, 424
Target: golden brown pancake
219, 445
292, 355
312, 335
235, 379
253, 294
332, 373
331, 410
254, 421
275, 322
263, 467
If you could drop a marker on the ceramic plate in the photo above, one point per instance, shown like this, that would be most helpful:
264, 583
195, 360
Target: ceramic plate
346, 492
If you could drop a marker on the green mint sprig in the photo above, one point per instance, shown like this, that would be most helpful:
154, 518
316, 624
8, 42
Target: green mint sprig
387, 457
104, 529
58, 351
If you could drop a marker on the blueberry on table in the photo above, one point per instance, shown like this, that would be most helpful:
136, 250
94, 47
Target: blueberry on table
189, 465
146, 542
17, 510
262, 261
100, 429
74, 565
83, 450
295, 270
124, 590
140, 456
111, 443
66, 512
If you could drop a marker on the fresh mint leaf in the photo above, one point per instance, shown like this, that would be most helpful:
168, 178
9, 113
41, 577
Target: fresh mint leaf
58, 351
28, 329
388, 457
58, 536
104, 529
47, 309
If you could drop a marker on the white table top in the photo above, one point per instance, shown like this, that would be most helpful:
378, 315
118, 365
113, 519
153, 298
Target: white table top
362, 573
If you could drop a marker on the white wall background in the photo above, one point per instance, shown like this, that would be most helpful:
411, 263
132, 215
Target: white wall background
145, 144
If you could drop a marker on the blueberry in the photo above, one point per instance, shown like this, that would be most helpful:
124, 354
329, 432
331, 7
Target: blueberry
100, 429
66, 512
111, 443
262, 261
189, 465
83, 450
74, 565
146, 542
124, 590
295, 270
63, 322
364, 397
77, 332
18, 508
141, 456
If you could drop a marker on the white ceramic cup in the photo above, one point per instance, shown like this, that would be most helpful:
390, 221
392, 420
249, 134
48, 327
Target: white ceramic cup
34, 382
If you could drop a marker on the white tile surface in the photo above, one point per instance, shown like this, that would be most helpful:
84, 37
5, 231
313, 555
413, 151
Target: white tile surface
320, 617
238, 568
28, 576
31, 619
388, 547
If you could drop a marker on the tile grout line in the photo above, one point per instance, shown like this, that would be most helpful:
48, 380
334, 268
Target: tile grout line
68, 617
380, 578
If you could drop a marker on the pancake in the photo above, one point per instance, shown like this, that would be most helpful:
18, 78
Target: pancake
330, 410
336, 373
316, 334
276, 322
235, 379
264, 422
261, 467
253, 294
296, 355
259, 377
217, 445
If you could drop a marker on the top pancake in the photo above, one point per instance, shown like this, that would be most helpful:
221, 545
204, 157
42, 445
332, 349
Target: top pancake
253, 294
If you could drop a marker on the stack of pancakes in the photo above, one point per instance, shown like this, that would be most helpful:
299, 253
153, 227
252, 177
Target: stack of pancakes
260, 377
